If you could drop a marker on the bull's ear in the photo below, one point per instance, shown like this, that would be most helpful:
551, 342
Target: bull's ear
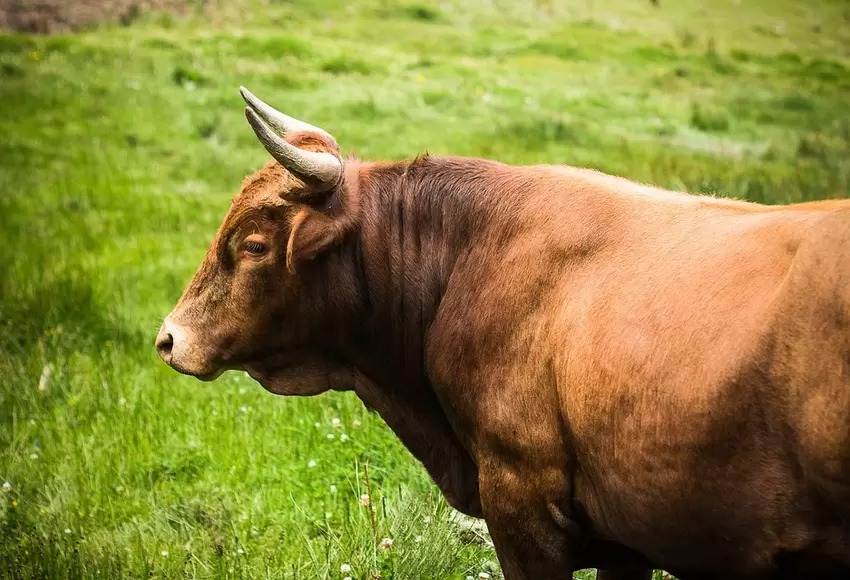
312, 233
323, 219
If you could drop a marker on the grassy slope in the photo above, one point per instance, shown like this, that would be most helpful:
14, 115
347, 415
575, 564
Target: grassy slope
119, 149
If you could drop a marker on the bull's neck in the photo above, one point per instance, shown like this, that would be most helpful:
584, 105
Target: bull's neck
414, 227
418, 218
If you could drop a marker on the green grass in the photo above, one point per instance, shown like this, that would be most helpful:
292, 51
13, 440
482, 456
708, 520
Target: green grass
120, 148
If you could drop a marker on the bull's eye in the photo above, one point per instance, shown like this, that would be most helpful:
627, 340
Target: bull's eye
255, 248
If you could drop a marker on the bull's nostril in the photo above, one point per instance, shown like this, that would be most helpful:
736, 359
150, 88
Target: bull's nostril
164, 343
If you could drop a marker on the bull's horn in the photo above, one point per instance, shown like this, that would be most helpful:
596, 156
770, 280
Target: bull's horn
271, 126
282, 123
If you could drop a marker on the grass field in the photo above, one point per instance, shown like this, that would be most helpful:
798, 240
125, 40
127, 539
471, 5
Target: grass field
120, 148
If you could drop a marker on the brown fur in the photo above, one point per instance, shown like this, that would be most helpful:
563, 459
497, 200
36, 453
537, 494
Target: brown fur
610, 374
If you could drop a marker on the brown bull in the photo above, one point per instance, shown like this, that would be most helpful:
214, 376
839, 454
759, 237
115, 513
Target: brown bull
612, 375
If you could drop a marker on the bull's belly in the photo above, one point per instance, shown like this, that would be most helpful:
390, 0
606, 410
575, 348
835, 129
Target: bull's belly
678, 526
734, 522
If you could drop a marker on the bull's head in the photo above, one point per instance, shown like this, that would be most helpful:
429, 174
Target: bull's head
246, 306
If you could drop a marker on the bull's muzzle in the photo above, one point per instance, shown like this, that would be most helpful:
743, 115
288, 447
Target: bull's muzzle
173, 345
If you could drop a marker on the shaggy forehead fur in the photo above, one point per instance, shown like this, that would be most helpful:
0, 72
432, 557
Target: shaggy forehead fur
263, 188
260, 191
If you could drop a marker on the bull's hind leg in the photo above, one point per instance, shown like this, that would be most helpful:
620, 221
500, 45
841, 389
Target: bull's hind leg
623, 574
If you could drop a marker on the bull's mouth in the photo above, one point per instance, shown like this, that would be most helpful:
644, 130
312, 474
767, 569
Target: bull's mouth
205, 375
256, 368
209, 377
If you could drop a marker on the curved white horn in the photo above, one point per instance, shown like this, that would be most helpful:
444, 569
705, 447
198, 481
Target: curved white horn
281, 123
313, 166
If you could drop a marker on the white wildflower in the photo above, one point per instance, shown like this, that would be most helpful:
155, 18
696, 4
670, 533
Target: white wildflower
311, 463
365, 501
333, 488
67, 530
336, 423
615, 24
240, 551
317, 424
483, 576
7, 486
343, 437
386, 544
44, 379
330, 435
243, 408
356, 423
164, 553
33, 456
345, 569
